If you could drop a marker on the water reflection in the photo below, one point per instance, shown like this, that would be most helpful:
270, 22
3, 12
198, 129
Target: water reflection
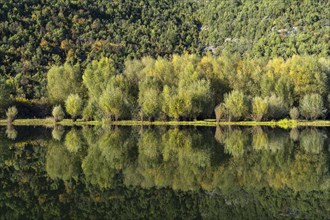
58, 132
193, 159
224, 166
11, 132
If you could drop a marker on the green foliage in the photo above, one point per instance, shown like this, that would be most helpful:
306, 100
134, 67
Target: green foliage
307, 75
62, 81
236, 105
276, 107
269, 28
113, 103
86, 30
259, 108
149, 99
311, 106
73, 105
58, 113
4, 94
89, 112
96, 77
294, 113
11, 114
35, 39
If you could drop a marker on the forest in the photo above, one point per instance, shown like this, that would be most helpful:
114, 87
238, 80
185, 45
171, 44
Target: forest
165, 60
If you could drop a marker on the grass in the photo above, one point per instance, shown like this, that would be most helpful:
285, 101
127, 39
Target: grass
284, 123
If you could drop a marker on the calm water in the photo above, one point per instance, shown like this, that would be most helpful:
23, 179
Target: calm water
164, 173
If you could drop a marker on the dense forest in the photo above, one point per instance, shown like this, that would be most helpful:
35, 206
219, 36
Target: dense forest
165, 59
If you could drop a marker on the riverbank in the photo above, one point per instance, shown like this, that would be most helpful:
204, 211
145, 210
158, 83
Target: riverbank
285, 123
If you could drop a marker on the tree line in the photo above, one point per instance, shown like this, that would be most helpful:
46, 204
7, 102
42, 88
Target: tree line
188, 87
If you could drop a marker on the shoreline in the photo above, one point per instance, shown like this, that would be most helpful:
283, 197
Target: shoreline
285, 123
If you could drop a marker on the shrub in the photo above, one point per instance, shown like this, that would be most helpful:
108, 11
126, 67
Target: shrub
58, 113
276, 107
294, 113
73, 106
236, 105
259, 108
311, 106
11, 114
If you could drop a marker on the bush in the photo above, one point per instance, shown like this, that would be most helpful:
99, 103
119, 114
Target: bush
259, 108
236, 105
11, 114
58, 113
73, 106
311, 106
294, 113
276, 107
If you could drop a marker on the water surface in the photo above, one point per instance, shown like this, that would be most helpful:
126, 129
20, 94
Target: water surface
164, 173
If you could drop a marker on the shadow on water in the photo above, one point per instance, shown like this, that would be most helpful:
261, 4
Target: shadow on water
157, 172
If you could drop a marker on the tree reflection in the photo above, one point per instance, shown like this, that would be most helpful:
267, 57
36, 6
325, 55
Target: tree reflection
124, 167
260, 139
312, 140
236, 142
58, 132
61, 163
107, 157
183, 159
73, 141
11, 132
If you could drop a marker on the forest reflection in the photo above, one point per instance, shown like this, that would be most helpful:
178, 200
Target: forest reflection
190, 158
261, 171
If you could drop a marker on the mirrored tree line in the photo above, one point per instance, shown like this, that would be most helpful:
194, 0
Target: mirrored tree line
91, 163
187, 159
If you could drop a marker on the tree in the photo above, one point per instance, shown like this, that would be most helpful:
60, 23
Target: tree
236, 105
11, 114
294, 113
96, 77
113, 103
89, 111
149, 99
58, 113
73, 106
259, 108
276, 107
311, 106
307, 76
62, 81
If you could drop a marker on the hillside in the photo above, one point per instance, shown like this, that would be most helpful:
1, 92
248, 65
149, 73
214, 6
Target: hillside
37, 35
